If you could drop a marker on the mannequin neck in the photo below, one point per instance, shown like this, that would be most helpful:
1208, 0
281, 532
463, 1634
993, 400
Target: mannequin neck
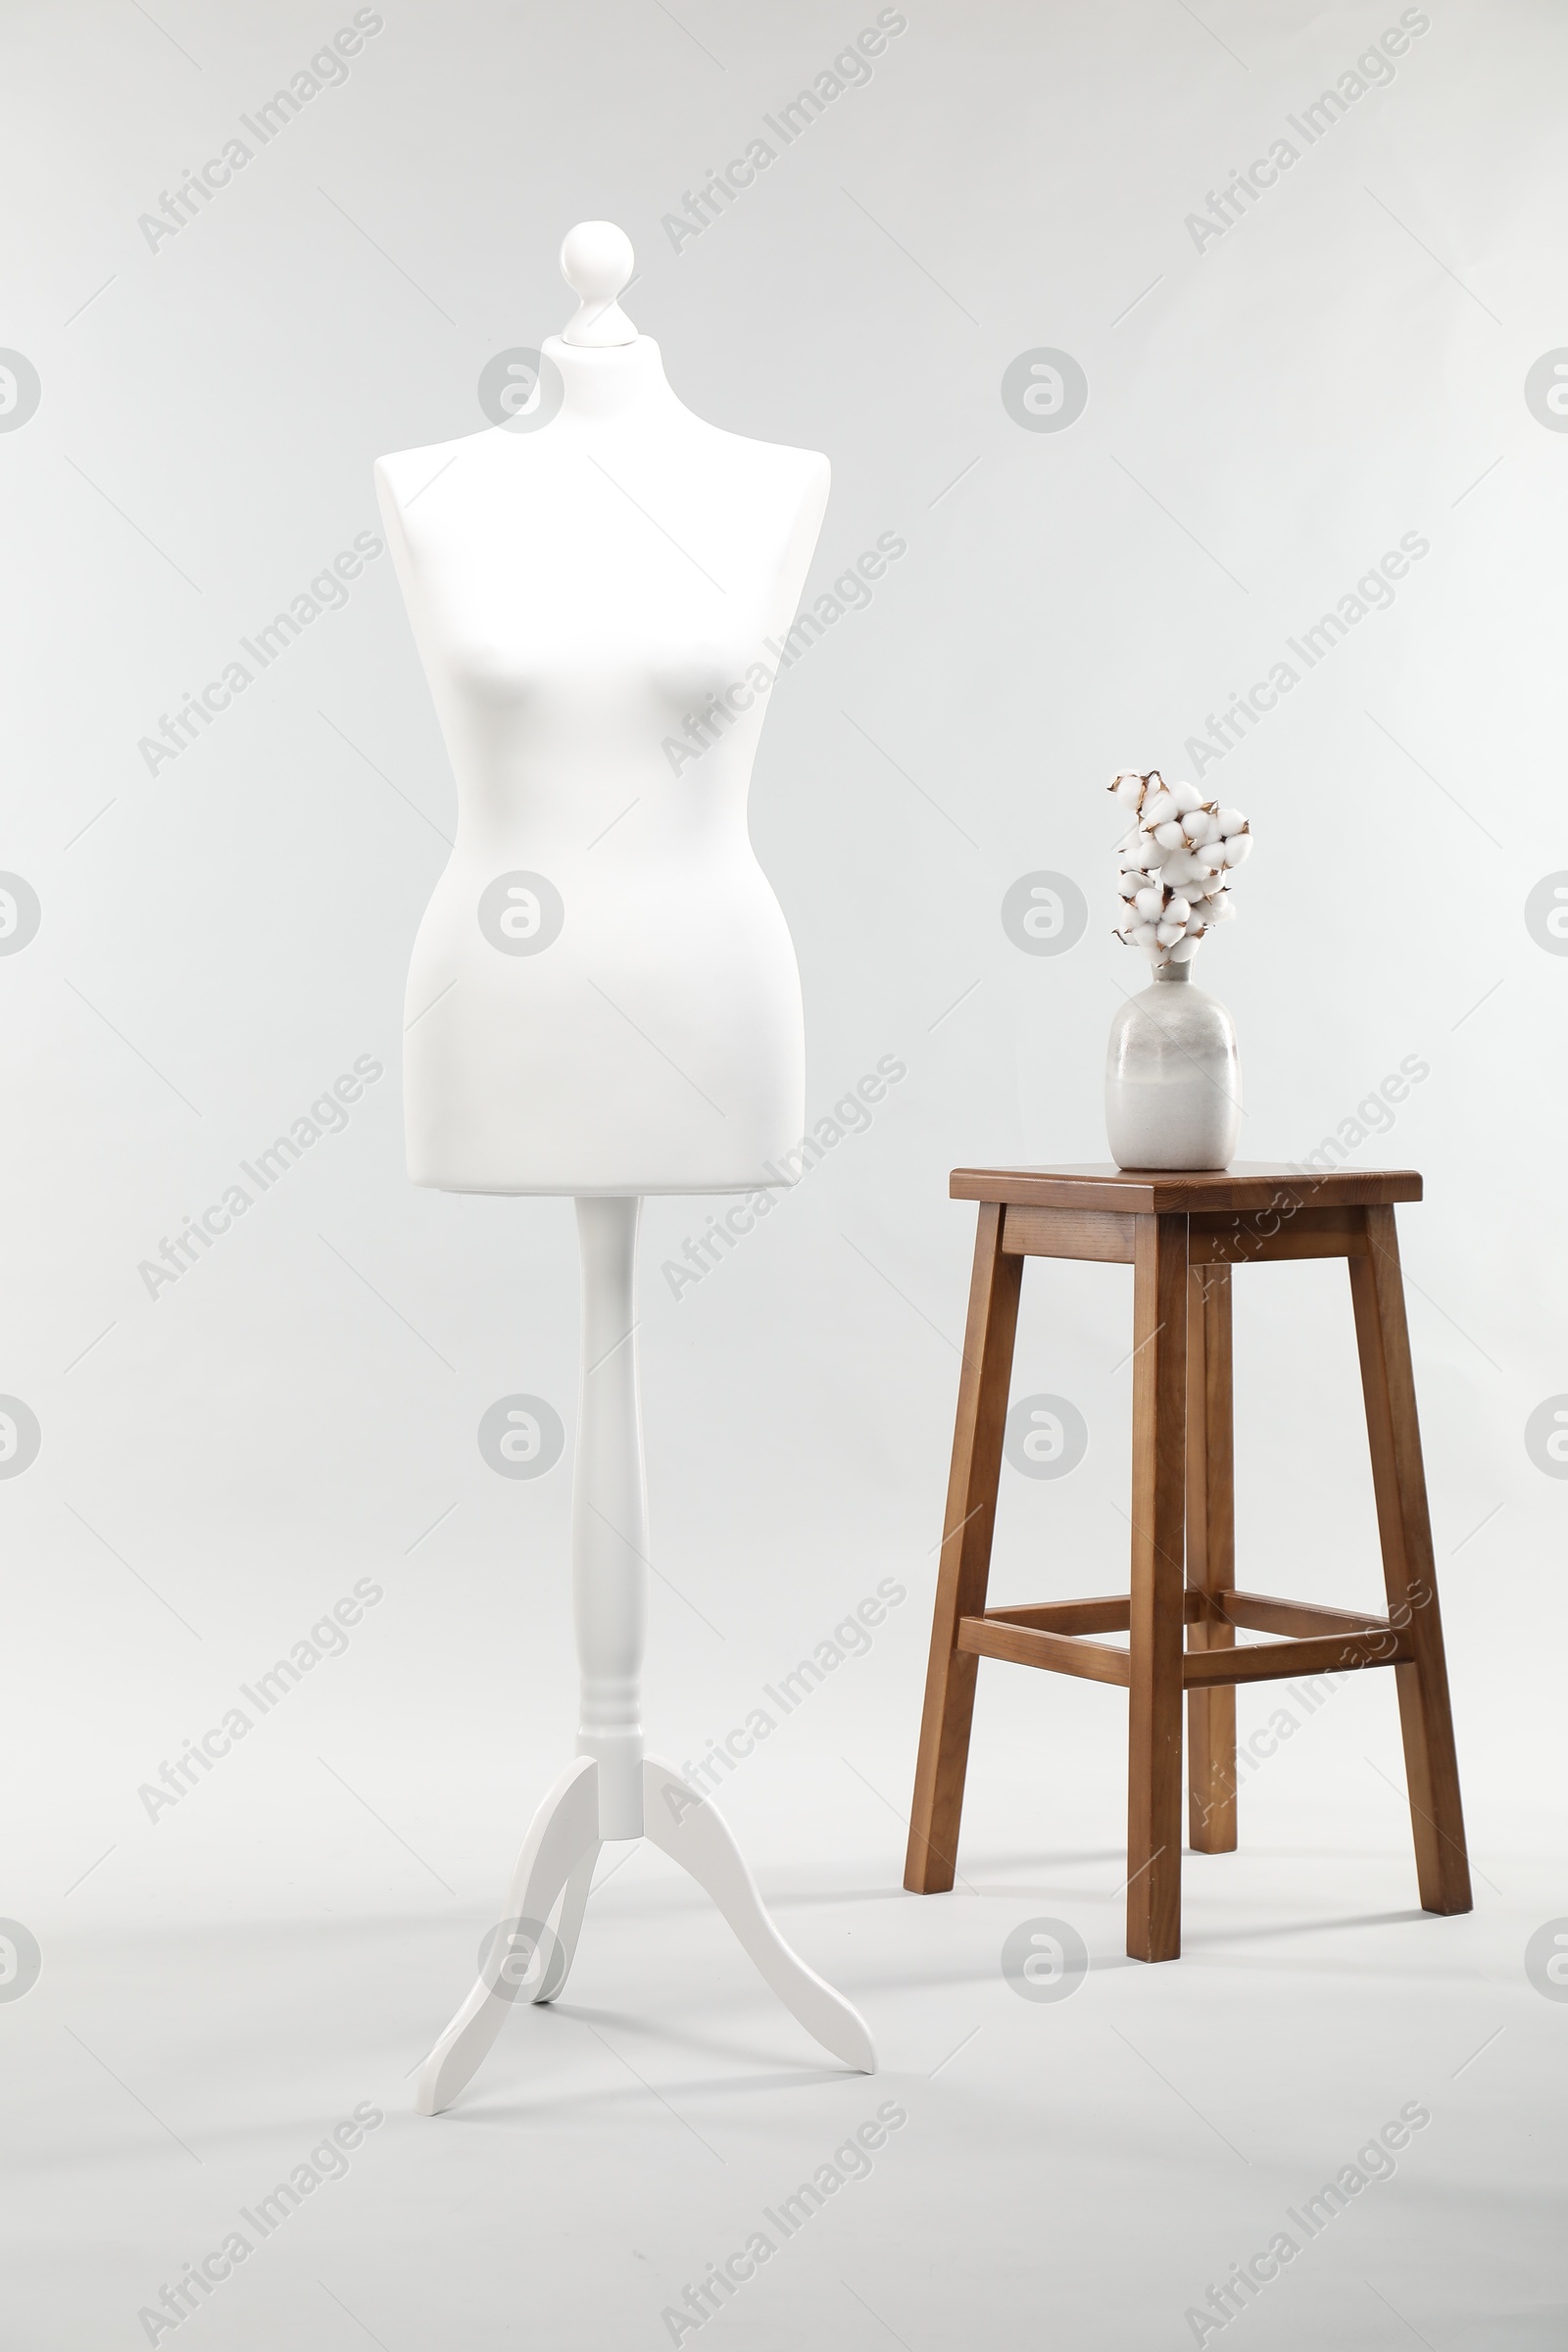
612, 382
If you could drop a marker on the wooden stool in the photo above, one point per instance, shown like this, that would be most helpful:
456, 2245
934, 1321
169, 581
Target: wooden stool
1181, 1234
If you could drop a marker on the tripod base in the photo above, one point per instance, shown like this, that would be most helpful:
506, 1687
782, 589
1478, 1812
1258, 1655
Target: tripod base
531, 1959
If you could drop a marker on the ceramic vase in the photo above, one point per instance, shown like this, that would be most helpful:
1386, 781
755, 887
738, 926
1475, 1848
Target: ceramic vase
1173, 1079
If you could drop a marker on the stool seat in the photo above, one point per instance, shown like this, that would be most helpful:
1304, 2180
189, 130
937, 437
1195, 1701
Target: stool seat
1245, 1185
1182, 1231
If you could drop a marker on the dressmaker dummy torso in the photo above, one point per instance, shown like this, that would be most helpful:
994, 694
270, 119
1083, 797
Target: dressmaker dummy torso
577, 594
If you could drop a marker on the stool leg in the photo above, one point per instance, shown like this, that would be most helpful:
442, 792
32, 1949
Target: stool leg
965, 1564
1431, 1767
1155, 1711
1210, 1556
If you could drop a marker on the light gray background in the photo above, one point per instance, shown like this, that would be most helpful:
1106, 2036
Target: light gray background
1265, 418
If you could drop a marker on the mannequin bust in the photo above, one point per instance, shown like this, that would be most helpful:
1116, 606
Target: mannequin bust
578, 595
604, 1000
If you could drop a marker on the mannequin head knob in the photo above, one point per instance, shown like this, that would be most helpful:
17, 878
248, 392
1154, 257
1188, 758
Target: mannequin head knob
595, 261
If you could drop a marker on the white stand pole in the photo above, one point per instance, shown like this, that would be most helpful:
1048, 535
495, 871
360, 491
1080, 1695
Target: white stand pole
613, 1791
609, 1515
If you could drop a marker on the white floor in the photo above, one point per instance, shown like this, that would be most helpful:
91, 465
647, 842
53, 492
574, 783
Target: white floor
1079, 2172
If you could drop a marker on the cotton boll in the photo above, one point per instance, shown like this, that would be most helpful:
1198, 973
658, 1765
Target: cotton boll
1171, 865
1221, 910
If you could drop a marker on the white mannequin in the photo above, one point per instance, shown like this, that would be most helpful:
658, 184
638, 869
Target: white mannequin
604, 998
562, 589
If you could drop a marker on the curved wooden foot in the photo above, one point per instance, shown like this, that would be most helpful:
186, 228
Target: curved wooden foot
563, 1831
560, 1947
690, 1828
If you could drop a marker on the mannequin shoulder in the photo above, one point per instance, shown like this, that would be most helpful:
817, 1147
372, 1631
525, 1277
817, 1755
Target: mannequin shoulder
804, 469
402, 475
800, 479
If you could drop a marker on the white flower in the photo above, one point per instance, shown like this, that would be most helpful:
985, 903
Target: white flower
1174, 864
